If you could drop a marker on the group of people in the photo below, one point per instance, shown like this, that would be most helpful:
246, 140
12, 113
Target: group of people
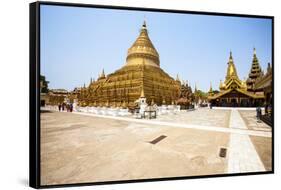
68, 107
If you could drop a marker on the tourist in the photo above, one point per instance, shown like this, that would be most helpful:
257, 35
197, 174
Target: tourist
266, 109
258, 110
63, 105
70, 107
59, 107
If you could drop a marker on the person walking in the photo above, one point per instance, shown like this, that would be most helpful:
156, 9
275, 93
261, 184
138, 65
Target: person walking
59, 107
63, 105
258, 110
67, 107
70, 107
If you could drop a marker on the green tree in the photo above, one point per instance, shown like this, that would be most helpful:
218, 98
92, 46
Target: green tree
43, 84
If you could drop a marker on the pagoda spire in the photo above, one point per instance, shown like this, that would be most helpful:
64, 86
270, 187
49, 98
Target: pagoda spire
255, 59
221, 85
230, 56
255, 71
178, 78
142, 92
231, 69
211, 89
144, 24
102, 75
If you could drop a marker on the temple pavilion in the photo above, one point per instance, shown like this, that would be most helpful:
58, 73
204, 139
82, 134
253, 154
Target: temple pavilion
238, 93
141, 75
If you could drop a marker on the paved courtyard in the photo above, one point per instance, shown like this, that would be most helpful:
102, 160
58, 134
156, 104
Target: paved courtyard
80, 147
203, 116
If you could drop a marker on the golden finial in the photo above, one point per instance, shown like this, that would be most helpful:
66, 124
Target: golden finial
144, 24
144, 21
255, 52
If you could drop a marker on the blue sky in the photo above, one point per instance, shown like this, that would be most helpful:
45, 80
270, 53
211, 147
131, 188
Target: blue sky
77, 43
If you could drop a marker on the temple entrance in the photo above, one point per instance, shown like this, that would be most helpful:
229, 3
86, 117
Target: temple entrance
233, 102
244, 102
235, 98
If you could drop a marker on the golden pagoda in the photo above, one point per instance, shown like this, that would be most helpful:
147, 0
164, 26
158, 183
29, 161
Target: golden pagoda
255, 72
141, 75
233, 91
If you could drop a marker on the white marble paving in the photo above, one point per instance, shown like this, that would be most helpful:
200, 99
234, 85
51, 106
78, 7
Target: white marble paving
242, 155
190, 126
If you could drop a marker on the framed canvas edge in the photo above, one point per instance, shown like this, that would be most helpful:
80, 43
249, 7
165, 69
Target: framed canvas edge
34, 93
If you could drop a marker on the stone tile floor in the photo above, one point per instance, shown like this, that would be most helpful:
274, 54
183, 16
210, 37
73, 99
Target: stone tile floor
242, 154
251, 121
78, 147
202, 116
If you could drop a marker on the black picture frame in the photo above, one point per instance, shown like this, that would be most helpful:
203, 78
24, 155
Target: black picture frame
34, 93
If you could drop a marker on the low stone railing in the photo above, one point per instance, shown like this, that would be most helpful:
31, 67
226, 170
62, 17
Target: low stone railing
104, 111
160, 110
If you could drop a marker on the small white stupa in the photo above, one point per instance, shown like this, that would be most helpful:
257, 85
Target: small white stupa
142, 102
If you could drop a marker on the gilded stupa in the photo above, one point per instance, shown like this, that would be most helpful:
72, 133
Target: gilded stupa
141, 75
